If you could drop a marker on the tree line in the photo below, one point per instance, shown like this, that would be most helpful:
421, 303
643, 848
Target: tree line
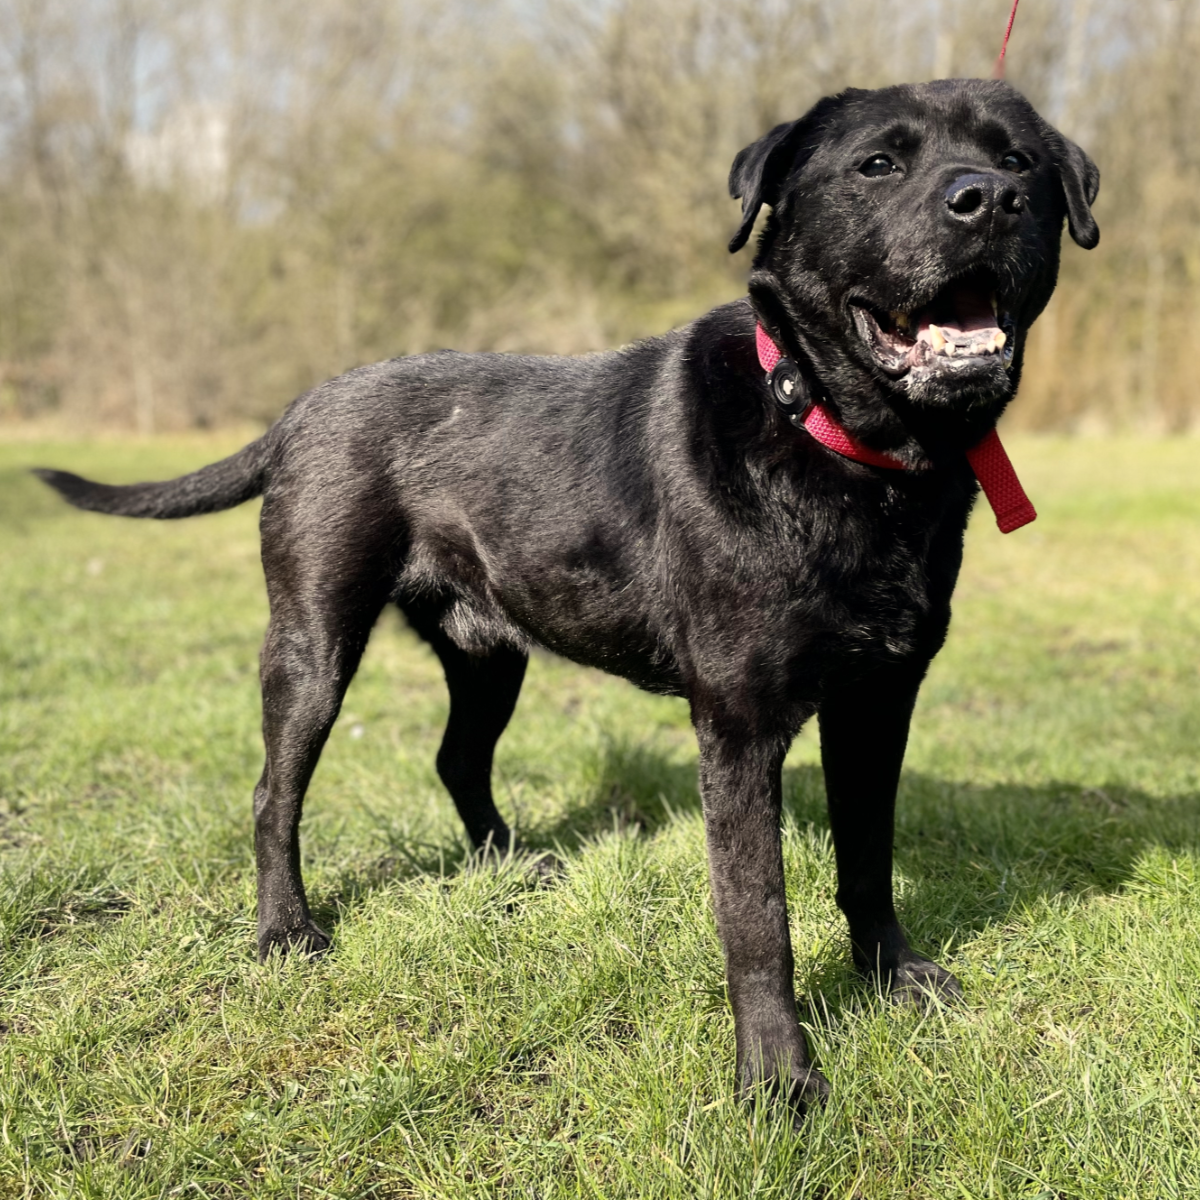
206, 209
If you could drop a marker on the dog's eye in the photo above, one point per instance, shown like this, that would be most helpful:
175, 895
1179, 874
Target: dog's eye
1015, 161
877, 166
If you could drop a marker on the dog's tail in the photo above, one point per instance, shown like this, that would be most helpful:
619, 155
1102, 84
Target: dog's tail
220, 485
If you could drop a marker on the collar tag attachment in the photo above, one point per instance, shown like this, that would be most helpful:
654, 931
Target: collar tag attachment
789, 391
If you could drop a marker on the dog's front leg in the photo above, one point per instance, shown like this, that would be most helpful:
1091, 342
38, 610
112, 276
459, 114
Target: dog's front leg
864, 731
740, 785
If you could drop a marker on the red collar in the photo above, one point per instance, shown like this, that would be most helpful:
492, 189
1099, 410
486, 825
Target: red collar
988, 459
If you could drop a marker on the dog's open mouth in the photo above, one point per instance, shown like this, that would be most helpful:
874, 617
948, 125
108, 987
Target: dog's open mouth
964, 323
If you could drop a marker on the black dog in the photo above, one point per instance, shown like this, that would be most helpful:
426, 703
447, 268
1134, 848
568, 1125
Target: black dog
660, 512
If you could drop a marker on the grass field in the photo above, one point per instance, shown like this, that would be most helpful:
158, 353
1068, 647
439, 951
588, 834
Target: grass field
468, 1036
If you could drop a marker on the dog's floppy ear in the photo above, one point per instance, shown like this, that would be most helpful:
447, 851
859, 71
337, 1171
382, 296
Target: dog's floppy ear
1081, 182
1080, 179
760, 170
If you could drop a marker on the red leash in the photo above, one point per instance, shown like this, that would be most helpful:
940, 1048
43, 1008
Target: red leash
988, 459
998, 69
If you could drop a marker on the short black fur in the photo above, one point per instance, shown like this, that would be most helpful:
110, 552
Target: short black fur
652, 513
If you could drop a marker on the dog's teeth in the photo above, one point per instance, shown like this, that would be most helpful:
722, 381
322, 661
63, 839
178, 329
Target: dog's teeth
900, 320
995, 307
998, 339
937, 339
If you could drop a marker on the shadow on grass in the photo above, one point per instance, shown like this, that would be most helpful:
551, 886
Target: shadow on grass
969, 854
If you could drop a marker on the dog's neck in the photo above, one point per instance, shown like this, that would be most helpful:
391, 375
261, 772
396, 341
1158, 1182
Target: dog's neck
815, 417
988, 458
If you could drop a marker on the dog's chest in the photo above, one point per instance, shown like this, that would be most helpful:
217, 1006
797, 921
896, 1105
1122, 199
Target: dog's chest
874, 571
872, 604
843, 591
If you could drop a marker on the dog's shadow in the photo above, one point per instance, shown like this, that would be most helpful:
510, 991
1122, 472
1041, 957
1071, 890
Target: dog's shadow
969, 855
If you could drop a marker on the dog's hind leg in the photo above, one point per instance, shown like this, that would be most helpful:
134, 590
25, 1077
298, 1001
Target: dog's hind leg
864, 729
319, 628
483, 694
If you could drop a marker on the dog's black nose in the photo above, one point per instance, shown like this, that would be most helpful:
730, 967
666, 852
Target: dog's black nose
975, 199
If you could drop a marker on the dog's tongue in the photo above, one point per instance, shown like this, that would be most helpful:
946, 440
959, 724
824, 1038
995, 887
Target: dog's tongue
970, 323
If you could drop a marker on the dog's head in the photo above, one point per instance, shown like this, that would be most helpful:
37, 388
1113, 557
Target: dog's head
913, 239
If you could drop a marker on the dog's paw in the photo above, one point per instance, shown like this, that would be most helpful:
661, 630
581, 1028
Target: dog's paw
307, 939
542, 867
917, 983
782, 1075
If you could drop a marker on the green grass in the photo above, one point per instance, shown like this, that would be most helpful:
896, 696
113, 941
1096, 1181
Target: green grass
468, 1036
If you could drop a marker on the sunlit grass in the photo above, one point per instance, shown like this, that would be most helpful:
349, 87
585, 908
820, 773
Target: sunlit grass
470, 1037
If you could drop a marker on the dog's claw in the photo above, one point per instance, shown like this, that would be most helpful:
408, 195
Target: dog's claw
541, 866
810, 1090
919, 983
800, 1090
545, 867
775, 1067
307, 939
